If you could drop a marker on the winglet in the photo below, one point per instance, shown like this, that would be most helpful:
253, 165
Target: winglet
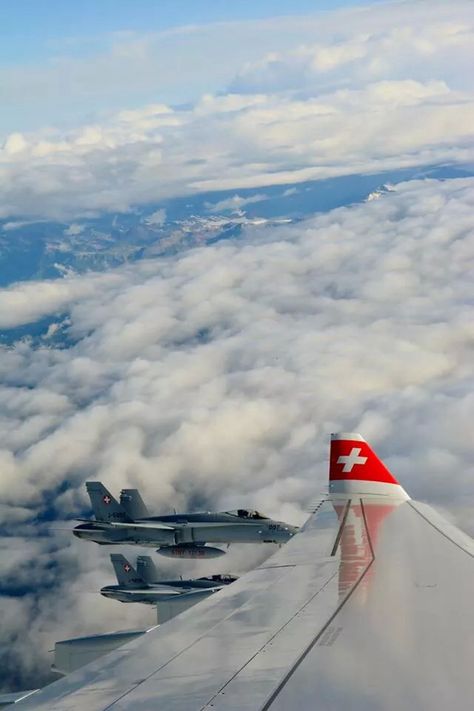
354, 468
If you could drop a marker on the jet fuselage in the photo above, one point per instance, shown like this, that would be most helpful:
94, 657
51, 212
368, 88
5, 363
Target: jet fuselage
192, 528
167, 590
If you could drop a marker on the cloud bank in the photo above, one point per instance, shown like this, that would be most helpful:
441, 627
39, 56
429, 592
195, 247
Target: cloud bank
358, 91
214, 379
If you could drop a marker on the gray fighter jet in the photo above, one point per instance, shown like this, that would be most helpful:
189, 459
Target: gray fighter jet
176, 535
144, 585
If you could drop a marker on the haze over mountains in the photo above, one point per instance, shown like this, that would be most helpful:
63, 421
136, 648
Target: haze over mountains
194, 295
46, 249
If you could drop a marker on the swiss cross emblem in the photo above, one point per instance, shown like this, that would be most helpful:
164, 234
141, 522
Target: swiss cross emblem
127, 568
351, 460
106, 499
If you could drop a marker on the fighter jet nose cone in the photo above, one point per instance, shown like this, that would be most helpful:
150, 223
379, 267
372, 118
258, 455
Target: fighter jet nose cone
76, 533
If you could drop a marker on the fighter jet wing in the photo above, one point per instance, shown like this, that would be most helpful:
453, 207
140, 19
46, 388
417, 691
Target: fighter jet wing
368, 608
179, 592
10, 699
144, 525
219, 524
164, 589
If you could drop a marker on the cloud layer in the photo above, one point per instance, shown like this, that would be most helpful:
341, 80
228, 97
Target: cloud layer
392, 89
214, 379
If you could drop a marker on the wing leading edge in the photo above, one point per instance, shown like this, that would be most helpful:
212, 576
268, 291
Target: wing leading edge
368, 607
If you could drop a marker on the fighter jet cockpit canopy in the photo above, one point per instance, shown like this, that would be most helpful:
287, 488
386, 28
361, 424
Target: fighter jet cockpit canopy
245, 513
221, 578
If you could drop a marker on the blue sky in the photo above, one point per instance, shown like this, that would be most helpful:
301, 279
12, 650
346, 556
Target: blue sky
66, 63
136, 106
30, 29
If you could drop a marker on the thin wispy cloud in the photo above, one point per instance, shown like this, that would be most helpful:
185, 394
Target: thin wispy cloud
392, 90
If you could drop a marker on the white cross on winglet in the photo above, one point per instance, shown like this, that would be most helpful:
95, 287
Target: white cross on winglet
351, 459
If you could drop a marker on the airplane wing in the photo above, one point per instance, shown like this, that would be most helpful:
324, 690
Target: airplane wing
368, 608
10, 699
218, 524
144, 526
147, 525
163, 590
170, 590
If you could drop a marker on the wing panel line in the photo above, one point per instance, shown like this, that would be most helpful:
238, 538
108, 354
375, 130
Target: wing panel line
162, 666
308, 649
341, 528
209, 702
368, 533
268, 641
439, 530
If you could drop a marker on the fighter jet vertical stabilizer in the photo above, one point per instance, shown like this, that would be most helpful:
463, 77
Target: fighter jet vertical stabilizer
133, 504
104, 506
147, 569
126, 573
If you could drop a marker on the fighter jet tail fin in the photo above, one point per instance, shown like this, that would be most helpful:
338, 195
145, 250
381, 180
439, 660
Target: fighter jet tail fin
147, 569
105, 507
133, 504
126, 574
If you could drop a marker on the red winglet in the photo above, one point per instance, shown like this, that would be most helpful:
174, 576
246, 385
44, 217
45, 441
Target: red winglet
353, 458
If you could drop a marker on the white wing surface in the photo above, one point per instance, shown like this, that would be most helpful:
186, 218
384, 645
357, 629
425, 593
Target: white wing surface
369, 607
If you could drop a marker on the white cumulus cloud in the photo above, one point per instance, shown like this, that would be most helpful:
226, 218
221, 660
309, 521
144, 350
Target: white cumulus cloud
365, 90
214, 380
